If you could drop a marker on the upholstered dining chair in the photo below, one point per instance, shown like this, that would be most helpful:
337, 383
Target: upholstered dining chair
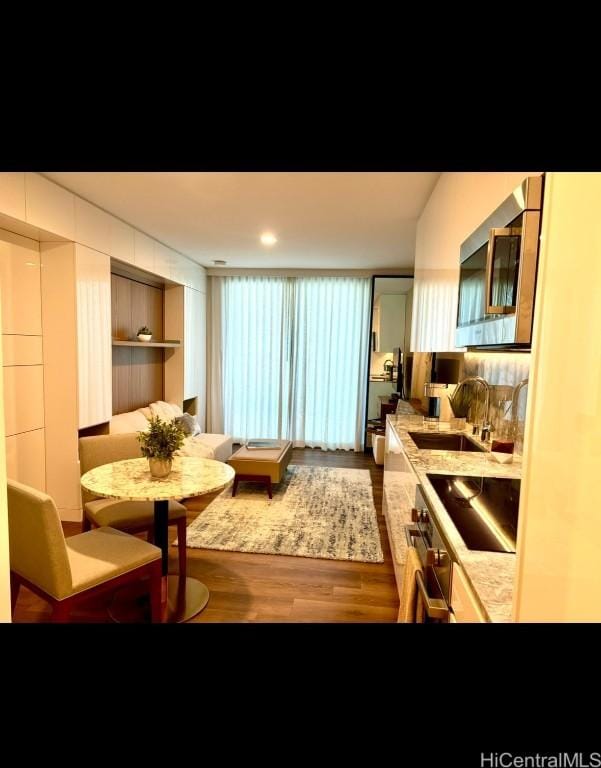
66, 571
130, 516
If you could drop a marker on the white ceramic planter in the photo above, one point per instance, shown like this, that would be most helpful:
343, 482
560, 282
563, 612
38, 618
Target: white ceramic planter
144, 336
159, 467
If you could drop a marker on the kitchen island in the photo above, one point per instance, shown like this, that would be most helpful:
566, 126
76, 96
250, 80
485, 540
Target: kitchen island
490, 574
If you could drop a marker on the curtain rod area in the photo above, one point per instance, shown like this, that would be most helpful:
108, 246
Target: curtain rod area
235, 272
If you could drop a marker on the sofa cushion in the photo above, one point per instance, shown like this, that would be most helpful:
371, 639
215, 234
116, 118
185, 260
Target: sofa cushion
132, 421
194, 447
221, 444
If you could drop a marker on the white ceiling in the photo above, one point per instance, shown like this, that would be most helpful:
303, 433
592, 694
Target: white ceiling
322, 220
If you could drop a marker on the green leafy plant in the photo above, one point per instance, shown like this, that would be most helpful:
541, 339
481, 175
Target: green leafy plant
460, 401
144, 330
162, 439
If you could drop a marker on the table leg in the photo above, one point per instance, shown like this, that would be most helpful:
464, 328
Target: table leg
181, 596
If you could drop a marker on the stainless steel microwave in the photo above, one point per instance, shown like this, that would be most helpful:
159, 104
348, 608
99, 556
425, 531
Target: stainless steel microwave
497, 277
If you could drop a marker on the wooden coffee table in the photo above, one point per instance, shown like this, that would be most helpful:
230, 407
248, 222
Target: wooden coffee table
261, 465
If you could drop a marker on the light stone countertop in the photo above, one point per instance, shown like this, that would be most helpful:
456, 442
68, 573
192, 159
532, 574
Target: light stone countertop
130, 479
491, 574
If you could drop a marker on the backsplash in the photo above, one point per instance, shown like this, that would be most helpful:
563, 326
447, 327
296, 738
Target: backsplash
503, 371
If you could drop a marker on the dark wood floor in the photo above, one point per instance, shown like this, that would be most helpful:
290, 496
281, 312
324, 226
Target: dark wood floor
272, 588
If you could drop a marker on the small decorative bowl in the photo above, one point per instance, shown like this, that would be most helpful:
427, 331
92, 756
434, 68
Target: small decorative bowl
144, 336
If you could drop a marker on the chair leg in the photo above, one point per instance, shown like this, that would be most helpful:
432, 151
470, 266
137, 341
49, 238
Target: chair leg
61, 612
269, 488
235, 486
155, 593
86, 525
15, 586
181, 545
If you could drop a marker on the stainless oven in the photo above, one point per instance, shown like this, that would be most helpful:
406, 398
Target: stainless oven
497, 277
435, 584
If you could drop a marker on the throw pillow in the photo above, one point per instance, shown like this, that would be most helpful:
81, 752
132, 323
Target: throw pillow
189, 424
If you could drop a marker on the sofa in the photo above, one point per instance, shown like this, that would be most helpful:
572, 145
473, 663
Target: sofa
202, 444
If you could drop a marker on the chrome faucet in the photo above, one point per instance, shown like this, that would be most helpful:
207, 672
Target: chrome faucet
486, 385
515, 398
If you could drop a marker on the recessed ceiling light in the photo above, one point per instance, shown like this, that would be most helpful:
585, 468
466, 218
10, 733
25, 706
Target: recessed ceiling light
268, 238
219, 262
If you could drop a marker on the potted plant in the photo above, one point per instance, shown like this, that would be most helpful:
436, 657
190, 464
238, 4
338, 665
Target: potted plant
159, 443
144, 333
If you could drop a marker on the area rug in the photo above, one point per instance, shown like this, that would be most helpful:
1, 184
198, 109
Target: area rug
315, 512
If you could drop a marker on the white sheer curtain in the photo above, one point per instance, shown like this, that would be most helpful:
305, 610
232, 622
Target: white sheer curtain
294, 357
435, 293
331, 330
255, 356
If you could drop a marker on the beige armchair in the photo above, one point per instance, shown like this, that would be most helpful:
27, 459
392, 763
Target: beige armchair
131, 516
66, 571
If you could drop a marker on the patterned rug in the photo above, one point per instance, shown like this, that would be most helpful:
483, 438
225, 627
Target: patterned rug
315, 512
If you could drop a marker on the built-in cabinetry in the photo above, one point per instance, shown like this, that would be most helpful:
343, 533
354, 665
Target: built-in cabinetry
49, 206
137, 367
185, 368
76, 317
23, 371
465, 606
56, 328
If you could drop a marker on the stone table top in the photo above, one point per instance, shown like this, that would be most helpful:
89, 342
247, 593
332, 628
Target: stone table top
131, 480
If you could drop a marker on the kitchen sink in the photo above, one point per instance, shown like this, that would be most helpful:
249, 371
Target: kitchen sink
438, 441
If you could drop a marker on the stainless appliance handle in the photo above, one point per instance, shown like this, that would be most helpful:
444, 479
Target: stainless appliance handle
494, 233
434, 607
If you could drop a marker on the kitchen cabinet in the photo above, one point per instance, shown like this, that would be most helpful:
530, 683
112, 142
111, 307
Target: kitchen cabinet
49, 207
12, 194
464, 603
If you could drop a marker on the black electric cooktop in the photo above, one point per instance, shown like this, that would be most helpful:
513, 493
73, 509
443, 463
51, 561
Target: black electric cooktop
484, 509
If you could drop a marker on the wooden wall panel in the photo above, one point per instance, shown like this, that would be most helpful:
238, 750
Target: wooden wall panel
146, 377
146, 309
121, 379
137, 371
121, 307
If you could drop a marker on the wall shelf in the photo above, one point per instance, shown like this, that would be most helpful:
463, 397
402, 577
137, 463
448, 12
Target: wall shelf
164, 344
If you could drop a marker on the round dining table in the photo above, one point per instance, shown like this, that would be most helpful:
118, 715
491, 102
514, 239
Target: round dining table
181, 596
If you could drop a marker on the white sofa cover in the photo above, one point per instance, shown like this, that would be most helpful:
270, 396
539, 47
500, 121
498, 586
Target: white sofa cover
205, 445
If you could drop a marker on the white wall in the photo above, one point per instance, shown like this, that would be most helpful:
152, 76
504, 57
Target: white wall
559, 536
